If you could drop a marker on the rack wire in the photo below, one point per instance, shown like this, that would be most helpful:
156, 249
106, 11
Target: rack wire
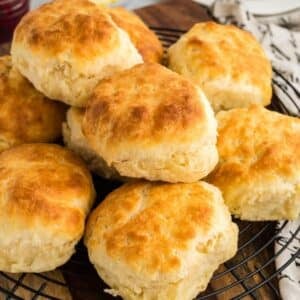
242, 277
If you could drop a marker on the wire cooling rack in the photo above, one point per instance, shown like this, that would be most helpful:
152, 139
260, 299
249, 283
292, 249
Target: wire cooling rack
251, 274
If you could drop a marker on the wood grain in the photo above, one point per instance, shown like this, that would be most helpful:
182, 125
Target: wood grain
178, 14
4, 48
27, 286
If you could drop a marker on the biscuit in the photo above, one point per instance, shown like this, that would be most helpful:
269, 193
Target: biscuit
76, 141
159, 240
259, 168
26, 115
45, 195
65, 49
142, 37
149, 122
226, 62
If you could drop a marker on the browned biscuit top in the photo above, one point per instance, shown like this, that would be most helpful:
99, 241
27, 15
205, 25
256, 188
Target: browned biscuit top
211, 51
146, 104
26, 115
139, 218
45, 184
256, 145
82, 28
142, 37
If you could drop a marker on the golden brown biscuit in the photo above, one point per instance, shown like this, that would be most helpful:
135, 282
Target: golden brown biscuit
259, 168
226, 62
65, 49
76, 141
45, 194
149, 122
160, 241
26, 115
142, 37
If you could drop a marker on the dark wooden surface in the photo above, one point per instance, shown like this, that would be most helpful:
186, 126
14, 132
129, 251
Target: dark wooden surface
83, 282
179, 14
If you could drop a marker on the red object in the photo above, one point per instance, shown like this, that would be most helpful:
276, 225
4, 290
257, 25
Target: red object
11, 12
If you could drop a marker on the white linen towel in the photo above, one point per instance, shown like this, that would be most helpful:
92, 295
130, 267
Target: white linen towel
276, 24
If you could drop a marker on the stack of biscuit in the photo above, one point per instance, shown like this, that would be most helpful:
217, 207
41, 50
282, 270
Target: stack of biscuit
162, 234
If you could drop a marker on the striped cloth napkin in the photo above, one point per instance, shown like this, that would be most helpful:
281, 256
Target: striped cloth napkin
277, 27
